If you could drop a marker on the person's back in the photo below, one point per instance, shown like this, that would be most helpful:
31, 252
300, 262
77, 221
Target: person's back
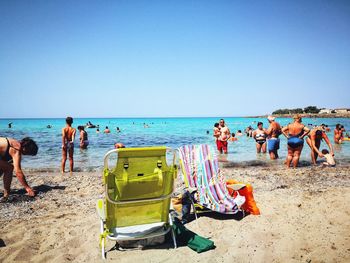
274, 130
68, 134
295, 129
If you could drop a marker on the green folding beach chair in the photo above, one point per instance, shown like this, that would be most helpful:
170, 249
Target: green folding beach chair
137, 195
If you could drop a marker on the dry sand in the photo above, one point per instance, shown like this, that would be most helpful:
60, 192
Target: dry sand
305, 218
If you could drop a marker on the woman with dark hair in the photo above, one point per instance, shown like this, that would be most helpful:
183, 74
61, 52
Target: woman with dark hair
68, 135
84, 142
11, 152
314, 139
260, 138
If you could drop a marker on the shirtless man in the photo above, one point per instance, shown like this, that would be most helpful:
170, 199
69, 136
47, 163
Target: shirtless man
273, 142
11, 152
223, 138
338, 134
314, 139
68, 135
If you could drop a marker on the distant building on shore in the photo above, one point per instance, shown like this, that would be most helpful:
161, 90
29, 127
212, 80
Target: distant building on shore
337, 111
325, 111
342, 110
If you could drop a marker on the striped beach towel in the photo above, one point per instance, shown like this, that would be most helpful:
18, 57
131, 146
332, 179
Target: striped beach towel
200, 169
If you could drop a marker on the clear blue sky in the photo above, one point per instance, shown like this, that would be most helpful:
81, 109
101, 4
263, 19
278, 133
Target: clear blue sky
172, 58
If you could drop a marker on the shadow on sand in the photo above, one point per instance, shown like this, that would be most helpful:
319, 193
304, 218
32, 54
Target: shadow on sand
19, 195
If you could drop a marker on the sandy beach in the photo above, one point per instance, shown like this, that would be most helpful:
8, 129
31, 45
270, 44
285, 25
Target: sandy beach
305, 217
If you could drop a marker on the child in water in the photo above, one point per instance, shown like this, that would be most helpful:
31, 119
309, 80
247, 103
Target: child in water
329, 158
217, 131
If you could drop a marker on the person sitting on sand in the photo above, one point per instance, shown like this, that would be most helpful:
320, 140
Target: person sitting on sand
106, 130
329, 158
314, 139
83, 138
11, 152
273, 142
295, 133
68, 135
338, 134
260, 138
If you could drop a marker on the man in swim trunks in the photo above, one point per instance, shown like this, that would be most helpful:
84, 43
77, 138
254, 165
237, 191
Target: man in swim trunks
68, 135
260, 138
314, 139
223, 138
11, 152
273, 142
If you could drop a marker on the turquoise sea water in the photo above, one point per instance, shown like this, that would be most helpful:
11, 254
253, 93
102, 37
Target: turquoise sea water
172, 132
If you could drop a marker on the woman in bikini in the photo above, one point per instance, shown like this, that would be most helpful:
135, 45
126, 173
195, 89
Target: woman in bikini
314, 139
68, 135
295, 133
11, 152
260, 138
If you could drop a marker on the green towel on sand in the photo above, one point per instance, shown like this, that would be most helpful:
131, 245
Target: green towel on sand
192, 240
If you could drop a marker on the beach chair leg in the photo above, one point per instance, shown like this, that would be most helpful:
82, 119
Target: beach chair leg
103, 240
103, 249
194, 209
172, 231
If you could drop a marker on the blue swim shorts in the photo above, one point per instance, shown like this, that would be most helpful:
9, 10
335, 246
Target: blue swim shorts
273, 144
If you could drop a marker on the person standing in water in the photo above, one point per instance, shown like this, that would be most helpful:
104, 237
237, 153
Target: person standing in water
314, 139
68, 135
273, 142
295, 133
260, 138
83, 138
225, 134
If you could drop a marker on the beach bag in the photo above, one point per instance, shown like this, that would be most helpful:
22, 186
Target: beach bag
192, 240
182, 204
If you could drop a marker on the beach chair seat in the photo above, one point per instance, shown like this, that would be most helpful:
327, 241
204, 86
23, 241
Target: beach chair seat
200, 170
137, 195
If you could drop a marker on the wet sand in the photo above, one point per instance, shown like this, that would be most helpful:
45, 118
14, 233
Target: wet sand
305, 217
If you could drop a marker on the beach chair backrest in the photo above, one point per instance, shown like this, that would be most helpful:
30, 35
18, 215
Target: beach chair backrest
138, 188
200, 169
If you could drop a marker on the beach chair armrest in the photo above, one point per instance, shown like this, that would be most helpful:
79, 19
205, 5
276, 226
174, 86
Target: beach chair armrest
100, 207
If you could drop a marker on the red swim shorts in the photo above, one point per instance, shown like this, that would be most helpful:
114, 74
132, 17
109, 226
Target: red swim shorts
222, 146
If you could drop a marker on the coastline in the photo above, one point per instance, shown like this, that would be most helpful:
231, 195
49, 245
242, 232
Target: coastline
304, 217
306, 115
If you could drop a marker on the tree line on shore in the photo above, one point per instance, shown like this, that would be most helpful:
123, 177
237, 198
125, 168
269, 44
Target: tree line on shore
308, 109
